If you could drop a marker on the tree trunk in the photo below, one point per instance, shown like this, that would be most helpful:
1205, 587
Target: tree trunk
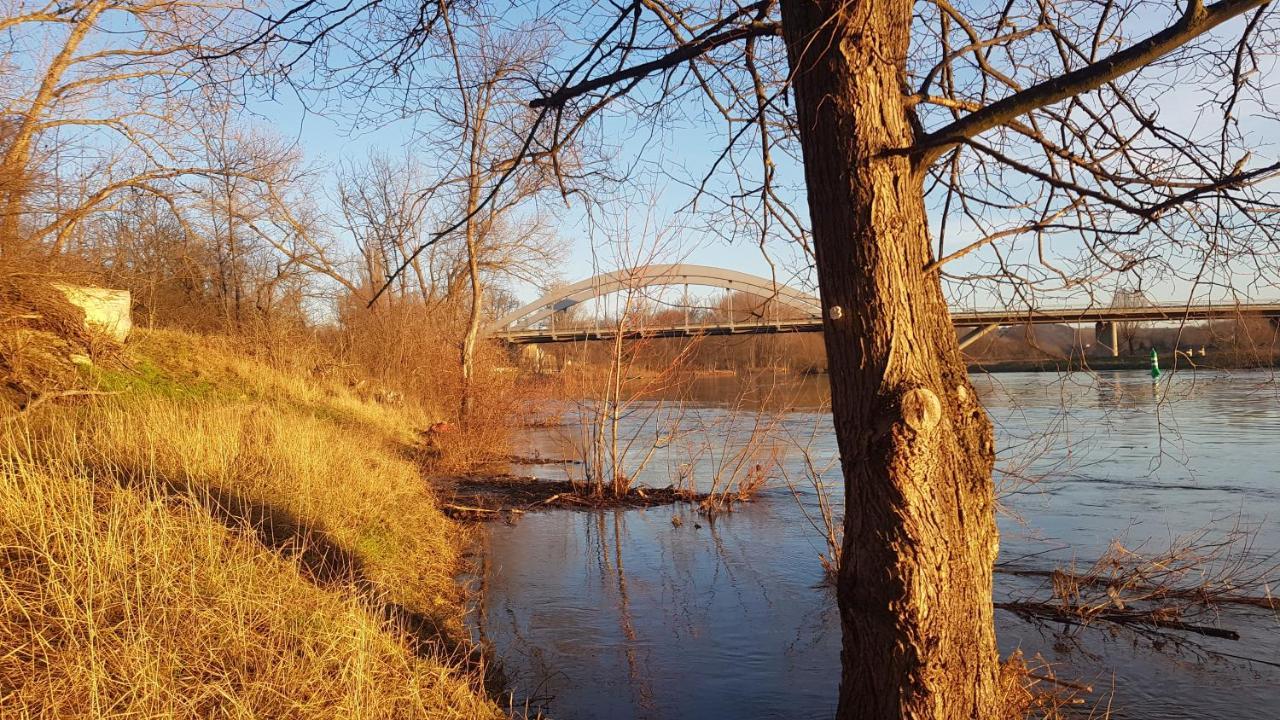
476, 130
475, 316
472, 334
916, 448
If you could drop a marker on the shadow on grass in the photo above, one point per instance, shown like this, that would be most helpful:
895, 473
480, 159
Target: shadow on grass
322, 562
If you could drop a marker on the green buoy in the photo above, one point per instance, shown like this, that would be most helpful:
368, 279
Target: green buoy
1155, 365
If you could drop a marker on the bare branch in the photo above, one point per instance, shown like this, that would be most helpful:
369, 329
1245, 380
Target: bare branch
1196, 21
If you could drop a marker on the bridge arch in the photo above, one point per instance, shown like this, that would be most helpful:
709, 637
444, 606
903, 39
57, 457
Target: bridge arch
658, 275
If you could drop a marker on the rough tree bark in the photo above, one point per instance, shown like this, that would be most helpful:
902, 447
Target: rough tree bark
916, 446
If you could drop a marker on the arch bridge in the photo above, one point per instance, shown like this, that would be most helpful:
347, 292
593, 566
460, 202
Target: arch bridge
536, 322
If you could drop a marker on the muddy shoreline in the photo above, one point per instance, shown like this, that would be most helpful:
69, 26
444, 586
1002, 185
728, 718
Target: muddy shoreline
495, 496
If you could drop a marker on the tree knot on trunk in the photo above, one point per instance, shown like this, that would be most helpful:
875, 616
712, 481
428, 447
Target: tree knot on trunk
851, 49
921, 409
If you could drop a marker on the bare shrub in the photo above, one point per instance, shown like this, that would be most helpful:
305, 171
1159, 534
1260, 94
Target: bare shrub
619, 391
1033, 690
813, 477
738, 451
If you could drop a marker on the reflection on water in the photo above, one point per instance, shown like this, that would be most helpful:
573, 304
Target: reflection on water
623, 614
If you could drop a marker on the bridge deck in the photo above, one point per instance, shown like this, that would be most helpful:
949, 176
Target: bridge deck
963, 318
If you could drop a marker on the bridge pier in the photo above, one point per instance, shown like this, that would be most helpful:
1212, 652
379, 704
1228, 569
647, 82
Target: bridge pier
977, 334
1112, 329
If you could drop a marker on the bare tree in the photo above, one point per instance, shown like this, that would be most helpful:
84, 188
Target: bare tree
219, 250
488, 118
1032, 127
384, 208
100, 97
472, 218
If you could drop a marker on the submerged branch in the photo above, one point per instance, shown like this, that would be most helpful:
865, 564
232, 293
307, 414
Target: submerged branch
1164, 618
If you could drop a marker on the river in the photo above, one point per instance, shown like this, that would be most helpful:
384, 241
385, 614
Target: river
622, 614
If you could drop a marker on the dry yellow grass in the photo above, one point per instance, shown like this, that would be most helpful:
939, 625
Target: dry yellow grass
224, 539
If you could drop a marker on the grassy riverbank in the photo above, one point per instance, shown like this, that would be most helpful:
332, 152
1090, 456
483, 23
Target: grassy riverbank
217, 536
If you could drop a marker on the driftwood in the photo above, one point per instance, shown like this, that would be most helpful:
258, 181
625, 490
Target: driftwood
465, 508
1150, 592
1080, 687
470, 512
39, 400
538, 460
489, 496
1082, 616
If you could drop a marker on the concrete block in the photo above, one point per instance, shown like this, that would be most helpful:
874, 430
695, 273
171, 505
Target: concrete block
105, 310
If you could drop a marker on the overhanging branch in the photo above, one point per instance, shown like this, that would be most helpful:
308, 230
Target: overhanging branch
1196, 21
680, 55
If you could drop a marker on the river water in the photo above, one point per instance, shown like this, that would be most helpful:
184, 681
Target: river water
622, 614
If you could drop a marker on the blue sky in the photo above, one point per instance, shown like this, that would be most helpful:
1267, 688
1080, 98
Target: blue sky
685, 151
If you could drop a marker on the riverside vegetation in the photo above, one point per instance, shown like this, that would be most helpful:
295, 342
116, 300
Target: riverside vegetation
196, 527
195, 532
201, 525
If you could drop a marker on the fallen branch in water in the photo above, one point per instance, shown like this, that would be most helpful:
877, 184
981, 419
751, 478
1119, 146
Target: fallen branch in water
1038, 692
1158, 618
1069, 685
465, 508
537, 460
1150, 592
486, 497
1163, 591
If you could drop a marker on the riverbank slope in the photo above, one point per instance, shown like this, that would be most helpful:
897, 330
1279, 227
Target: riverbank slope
217, 535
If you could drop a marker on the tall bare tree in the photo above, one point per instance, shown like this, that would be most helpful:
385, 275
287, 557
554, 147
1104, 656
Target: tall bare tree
485, 115
384, 209
218, 251
1035, 131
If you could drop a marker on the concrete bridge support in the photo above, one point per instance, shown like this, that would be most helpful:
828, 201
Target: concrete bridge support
977, 334
1111, 329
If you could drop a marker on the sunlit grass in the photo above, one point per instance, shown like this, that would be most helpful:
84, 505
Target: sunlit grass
135, 579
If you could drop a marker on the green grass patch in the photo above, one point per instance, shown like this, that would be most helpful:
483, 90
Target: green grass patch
376, 544
144, 378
